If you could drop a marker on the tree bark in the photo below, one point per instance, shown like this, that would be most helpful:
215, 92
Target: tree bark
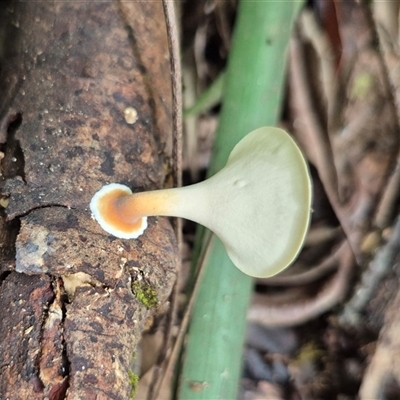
73, 299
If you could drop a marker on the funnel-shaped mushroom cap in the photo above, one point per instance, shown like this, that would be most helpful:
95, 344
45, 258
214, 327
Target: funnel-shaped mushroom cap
258, 204
264, 202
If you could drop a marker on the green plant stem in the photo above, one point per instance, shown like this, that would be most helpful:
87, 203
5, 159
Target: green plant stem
252, 98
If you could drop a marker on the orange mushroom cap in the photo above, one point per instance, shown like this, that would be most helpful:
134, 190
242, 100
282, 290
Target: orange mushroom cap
104, 209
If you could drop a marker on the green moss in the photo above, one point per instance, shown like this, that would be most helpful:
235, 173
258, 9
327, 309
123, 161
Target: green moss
145, 293
134, 381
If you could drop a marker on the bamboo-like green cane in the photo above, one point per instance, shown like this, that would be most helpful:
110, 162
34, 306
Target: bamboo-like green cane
252, 98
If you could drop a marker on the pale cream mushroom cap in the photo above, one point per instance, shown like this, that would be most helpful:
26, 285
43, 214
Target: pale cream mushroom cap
258, 205
262, 210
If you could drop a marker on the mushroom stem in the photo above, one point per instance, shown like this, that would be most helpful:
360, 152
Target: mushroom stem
176, 202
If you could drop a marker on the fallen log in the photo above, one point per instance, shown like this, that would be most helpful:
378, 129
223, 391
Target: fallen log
85, 101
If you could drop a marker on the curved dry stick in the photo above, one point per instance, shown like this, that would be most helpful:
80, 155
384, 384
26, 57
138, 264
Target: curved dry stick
315, 237
392, 192
318, 143
292, 314
389, 199
312, 31
328, 265
176, 81
386, 19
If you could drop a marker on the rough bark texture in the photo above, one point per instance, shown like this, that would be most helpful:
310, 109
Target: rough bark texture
73, 299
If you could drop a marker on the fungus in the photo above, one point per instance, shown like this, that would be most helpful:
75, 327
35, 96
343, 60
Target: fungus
131, 115
258, 204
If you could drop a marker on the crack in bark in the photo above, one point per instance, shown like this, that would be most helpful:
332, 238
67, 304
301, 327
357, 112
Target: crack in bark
13, 163
64, 357
53, 364
46, 311
37, 207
